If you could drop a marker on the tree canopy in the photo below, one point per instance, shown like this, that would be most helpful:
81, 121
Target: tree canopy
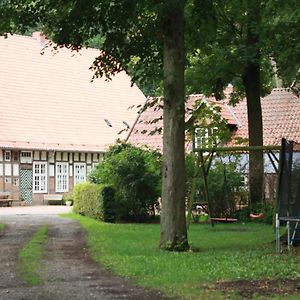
220, 41
146, 37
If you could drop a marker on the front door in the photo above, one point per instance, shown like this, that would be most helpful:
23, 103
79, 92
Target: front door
26, 185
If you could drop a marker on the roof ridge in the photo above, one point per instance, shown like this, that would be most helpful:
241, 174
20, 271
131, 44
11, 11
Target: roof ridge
29, 37
238, 122
281, 89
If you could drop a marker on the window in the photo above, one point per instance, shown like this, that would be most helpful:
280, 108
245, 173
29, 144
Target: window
206, 137
79, 173
39, 177
62, 177
26, 157
7, 156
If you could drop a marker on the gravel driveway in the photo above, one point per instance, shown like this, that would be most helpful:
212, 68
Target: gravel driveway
67, 270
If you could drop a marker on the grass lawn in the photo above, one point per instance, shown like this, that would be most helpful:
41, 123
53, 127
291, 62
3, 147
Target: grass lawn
227, 252
2, 226
30, 257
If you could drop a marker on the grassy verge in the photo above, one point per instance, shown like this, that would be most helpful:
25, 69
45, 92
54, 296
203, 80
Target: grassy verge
227, 252
30, 257
2, 226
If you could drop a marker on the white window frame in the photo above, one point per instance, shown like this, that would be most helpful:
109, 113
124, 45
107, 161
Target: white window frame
26, 159
206, 139
61, 186
40, 180
79, 173
9, 155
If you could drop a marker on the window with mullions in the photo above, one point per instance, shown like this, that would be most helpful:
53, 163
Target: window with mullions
26, 157
62, 177
39, 177
79, 172
206, 137
7, 155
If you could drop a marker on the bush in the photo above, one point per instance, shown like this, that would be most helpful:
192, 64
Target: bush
135, 174
94, 200
109, 204
68, 197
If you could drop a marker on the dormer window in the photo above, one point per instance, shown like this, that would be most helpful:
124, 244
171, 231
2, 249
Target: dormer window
206, 137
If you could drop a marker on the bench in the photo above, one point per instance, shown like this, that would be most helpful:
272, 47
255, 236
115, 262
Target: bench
5, 200
53, 199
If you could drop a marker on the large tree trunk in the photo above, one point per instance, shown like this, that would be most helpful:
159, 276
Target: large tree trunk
173, 221
251, 79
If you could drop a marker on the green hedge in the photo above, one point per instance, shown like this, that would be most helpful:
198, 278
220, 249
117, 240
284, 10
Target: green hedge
95, 200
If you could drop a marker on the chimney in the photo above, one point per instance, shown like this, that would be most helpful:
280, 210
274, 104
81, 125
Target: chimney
39, 36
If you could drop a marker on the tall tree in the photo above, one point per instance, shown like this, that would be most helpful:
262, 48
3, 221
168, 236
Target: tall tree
147, 37
244, 37
252, 83
173, 228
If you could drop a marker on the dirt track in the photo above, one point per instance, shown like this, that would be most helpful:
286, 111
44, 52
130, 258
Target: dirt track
67, 270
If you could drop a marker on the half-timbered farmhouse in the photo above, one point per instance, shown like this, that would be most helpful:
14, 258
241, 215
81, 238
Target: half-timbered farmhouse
55, 122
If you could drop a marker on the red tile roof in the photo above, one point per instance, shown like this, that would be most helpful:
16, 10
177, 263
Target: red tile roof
48, 101
142, 131
281, 117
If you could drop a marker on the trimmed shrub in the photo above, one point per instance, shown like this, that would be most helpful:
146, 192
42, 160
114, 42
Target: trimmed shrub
95, 201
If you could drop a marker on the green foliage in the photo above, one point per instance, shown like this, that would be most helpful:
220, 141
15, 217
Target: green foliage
224, 184
206, 118
30, 257
2, 226
268, 210
220, 51
243, 215
227, 252
87, 200
109, 204
281, 17
68, 197
94, 200
136, 176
